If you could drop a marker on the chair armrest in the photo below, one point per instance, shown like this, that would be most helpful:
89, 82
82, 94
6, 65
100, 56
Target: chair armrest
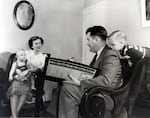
46, 63
112, 92
92, 104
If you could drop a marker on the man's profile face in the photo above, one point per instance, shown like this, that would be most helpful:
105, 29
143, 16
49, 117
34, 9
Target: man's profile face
91, 42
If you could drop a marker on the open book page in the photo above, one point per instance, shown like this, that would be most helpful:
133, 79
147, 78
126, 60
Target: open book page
60, 68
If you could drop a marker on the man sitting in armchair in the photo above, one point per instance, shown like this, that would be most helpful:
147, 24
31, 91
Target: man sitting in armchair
107, 60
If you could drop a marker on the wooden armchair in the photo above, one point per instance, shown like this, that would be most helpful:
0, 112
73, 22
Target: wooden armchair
93, 105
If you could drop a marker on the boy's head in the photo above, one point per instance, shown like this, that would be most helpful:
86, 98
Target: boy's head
116, 40
21, 55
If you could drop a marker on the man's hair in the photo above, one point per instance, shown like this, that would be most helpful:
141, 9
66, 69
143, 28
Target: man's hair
97, 31
120, 36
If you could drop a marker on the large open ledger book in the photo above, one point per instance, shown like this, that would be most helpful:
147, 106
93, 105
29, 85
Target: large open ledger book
60, 68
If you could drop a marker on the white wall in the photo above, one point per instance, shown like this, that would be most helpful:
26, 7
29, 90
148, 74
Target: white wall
88, 3
124, 15
59, 22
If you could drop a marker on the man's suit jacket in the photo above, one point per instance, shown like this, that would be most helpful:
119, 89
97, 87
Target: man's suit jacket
110, 76
110, 70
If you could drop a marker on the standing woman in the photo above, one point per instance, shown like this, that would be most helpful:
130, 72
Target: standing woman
37, 59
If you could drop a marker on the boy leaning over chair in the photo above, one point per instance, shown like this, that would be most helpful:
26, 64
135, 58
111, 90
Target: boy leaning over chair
117, 40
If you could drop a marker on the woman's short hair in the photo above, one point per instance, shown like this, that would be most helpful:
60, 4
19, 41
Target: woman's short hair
30, 42
99, 31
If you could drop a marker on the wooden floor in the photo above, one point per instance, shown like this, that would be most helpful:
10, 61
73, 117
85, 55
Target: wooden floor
139, 111
27, 111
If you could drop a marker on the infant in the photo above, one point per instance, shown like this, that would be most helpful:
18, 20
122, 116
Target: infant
19, 70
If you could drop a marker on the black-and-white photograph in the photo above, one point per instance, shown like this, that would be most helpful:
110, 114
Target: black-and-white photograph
75, 58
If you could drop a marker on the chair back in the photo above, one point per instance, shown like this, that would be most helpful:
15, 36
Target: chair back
133, 77
130, 88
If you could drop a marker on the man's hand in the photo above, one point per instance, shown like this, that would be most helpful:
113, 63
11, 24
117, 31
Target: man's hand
73, 80
84, 77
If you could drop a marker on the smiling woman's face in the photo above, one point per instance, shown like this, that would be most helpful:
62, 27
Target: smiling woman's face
37, 45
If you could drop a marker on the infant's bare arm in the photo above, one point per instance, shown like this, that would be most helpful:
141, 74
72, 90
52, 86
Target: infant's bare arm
18, 71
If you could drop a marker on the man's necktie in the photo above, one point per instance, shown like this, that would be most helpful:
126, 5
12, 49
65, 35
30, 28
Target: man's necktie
93, 60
